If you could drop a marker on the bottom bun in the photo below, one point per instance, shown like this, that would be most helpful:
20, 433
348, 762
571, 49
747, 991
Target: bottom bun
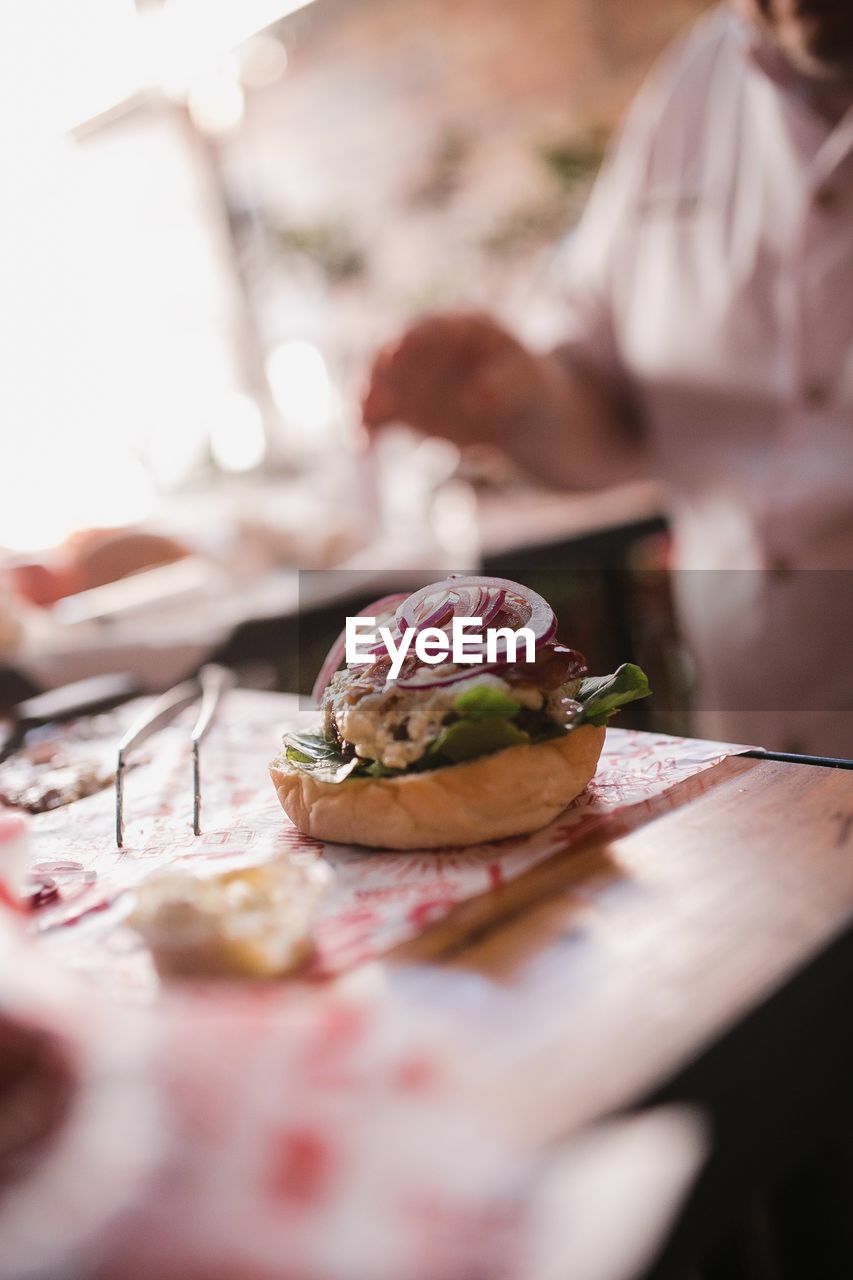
509, 793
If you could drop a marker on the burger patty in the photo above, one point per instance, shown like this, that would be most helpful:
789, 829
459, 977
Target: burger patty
396, 726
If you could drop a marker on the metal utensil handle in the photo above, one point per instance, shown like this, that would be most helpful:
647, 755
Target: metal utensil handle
83, 697
214, 681
13, 742
167, 707
162, 712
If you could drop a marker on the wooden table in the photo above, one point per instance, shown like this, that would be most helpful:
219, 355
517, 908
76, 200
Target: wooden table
698, 946
702, 949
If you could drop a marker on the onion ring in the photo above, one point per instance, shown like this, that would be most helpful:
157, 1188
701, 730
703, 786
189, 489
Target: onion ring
337, 653
437, 605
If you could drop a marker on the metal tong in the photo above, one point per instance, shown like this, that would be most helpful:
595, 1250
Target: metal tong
207, 689
83, 698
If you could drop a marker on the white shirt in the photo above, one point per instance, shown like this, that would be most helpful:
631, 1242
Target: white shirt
712, 274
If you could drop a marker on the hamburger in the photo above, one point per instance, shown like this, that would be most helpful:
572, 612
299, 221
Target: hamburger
426, 752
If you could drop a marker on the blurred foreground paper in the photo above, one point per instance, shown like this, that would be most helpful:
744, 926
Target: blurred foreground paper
263, 1130
610, 1198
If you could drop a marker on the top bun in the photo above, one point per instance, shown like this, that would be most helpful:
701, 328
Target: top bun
509, 793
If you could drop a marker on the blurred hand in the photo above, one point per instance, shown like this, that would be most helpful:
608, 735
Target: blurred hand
458, 375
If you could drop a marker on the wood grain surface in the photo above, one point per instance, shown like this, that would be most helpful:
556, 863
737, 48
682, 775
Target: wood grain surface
602, 971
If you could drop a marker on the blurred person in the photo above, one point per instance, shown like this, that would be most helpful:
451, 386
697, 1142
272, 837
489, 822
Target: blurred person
708, 342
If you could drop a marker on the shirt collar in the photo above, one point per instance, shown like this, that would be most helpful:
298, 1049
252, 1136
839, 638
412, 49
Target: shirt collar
761, 52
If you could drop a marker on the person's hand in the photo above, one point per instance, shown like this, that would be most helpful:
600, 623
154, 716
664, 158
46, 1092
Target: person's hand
457, 375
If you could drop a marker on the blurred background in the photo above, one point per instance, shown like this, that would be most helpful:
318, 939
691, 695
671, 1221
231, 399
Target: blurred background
223, 209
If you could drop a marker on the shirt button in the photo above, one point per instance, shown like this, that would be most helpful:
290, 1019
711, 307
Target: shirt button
815, 394
781, 567
826, 198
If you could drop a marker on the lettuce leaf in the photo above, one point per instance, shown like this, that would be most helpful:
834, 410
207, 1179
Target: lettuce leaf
485, 702
487, 725
316, 754
600, 696
467, 739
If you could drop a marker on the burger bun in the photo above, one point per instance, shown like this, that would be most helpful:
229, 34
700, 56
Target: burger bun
509, 793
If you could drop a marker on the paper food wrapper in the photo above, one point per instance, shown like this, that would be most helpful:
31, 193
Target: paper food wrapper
334, 1130
378, 899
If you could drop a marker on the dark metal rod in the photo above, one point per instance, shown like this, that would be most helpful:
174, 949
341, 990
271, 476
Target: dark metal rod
789, 757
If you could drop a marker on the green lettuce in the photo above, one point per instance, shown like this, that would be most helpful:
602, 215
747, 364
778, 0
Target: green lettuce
485, 702
486, 725
317, 754
600, 696
467, 739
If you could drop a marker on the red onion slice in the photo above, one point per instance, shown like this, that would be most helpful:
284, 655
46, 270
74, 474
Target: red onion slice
337, 653
492, 608
436, 605
469, 602
429, 607
426, 679
527, 607
380, 647
486, 598
554, 665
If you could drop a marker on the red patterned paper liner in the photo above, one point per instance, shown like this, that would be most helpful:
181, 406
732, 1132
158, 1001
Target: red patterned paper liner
378, 899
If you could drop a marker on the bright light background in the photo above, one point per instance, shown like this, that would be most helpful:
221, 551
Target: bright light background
118, 318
